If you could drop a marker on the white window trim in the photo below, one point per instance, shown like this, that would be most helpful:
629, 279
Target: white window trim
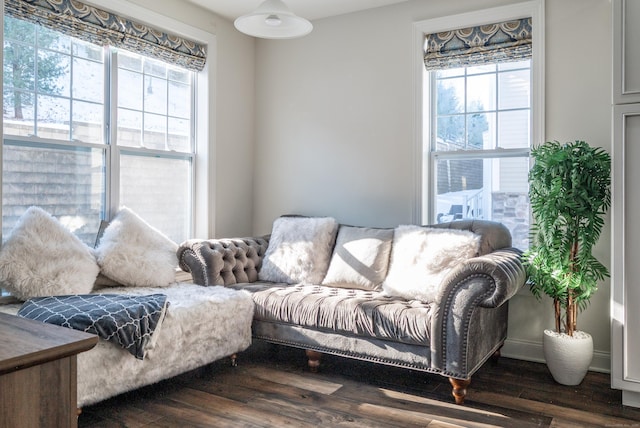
204, 109
422, 166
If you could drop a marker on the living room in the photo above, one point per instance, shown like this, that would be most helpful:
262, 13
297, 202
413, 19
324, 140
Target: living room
329, 124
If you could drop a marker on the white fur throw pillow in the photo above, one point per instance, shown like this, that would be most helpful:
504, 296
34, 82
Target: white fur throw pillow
421, 257
133, 253
42, 258
299, 250
360, 258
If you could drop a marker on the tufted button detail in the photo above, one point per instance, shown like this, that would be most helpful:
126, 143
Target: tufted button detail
223, 261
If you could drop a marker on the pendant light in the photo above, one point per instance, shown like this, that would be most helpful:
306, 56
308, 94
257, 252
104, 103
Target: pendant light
273, 20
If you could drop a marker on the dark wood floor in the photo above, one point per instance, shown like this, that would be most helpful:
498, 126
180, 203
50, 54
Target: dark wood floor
271, 387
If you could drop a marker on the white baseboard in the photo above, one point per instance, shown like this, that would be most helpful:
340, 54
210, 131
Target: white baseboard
631, 398
532, 351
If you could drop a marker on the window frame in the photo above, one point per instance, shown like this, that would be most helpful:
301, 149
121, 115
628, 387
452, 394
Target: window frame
203, 125
424, 206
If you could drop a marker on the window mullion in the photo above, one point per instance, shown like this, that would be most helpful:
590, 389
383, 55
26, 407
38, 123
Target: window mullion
433, 130
112, 178
166, 106
71, 78
497, 142
464, 109
35, 83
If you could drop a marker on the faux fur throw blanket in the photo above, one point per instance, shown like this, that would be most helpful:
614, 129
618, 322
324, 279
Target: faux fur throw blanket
126, 320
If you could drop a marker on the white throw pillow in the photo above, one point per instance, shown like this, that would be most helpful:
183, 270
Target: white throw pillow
299, 250
42, 258
133, 253
360, 258
421, 257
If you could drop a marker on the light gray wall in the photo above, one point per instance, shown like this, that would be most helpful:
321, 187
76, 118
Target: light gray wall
335, 115
235, 137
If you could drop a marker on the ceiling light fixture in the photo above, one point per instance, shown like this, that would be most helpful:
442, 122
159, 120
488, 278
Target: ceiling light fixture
273, 20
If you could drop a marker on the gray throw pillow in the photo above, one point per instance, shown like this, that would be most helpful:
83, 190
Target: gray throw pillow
299, 250
360, 258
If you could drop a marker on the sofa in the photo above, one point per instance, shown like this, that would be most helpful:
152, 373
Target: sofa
132, 271
428, 298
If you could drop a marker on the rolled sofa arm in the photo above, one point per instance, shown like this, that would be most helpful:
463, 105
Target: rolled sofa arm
222, 261
470, 317
504, 270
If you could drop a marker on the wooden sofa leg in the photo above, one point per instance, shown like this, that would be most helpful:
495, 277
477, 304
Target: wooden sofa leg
314, 360
234, 358
459, 389
495, 358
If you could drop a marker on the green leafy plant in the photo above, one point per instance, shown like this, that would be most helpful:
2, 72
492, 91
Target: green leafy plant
569, 191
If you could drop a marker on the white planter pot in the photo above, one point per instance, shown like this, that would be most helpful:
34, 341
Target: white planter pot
568, 358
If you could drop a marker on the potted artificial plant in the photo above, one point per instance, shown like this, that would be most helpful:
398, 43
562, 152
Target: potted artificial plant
569, 192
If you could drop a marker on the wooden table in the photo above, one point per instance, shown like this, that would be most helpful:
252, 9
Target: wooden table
38, 372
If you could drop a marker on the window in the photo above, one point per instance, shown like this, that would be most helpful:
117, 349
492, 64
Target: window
479, 144
481, 100
89, 128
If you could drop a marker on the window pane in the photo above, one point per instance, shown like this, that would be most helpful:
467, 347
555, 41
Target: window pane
450, 133
54, 73
180, 75
179, 135
129, 60
18, 113
450, 96
87, 122
54, 115
87, 51
163, 199
155, 131
179, 100
513, 129
68, 183
491, 189
155, 95
54, 40
481, 131
88, 71
19, 65
130, 87
514, 89
17, 29
155, 68
481, 93
129, 128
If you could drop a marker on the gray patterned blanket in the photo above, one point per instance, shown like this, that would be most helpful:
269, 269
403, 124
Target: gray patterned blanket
127, 320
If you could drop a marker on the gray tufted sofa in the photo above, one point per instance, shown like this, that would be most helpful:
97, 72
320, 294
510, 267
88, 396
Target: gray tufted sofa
452, 337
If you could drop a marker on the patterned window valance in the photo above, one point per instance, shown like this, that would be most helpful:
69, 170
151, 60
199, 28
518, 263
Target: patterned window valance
502, 42
101, 27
